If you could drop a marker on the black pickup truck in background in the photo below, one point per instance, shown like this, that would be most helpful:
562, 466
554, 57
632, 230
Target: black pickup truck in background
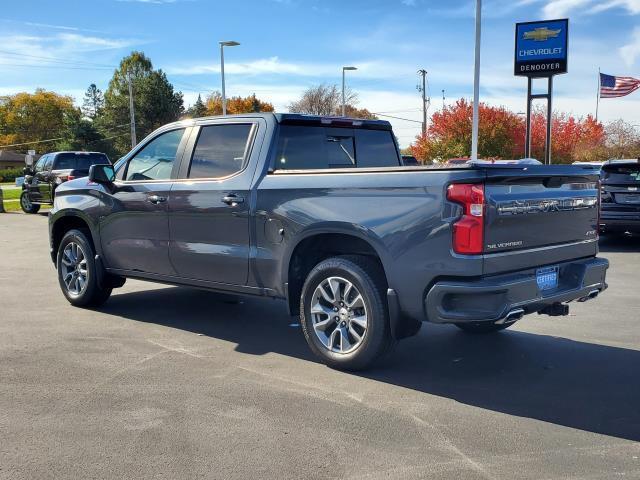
52, 169
322, 213
620, 196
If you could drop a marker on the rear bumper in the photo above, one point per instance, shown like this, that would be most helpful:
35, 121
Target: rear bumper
492, 298
617, 220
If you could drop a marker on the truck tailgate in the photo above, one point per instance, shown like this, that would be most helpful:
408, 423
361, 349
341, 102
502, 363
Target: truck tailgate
539, 215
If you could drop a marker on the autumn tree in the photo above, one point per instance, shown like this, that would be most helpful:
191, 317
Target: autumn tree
93, 102
326, 100
29, 117
237, 105
501, 133
572, 139
155, 101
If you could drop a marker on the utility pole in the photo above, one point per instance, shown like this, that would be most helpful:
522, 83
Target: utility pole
132, 113
423, 89
476, 84
443, 99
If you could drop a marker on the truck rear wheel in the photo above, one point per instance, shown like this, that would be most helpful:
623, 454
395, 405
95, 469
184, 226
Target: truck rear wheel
77, 272
343, 312
482, 327
26, 205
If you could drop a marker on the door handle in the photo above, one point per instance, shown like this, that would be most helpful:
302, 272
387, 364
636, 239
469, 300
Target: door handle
232, 199
156, 199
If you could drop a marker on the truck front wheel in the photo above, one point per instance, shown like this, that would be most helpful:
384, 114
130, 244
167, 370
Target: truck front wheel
77, 272
343, 312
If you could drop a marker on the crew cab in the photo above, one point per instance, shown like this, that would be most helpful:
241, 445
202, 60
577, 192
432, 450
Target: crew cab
620, 196
51, 170
321, 212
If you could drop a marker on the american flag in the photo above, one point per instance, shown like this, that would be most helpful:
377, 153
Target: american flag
612, 87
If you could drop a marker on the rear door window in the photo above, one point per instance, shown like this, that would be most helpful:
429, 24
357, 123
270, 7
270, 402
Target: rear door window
220, 151
376, 148
315, 147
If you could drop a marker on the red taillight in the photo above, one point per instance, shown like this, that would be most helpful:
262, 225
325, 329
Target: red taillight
468, 231
70, 177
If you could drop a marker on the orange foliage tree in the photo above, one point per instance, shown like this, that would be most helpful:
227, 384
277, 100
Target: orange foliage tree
236, 105
501, 135
571, 139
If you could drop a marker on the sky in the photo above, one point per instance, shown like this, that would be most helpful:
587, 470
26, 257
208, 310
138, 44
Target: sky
290, 45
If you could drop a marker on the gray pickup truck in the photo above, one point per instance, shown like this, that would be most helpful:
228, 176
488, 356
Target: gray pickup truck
321, 212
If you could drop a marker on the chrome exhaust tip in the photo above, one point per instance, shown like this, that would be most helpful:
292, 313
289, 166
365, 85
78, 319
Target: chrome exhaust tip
589, 296
513, 316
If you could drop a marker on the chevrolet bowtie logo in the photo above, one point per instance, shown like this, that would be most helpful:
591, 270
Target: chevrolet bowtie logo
540, 34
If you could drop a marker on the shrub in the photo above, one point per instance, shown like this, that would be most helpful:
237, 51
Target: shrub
10, 174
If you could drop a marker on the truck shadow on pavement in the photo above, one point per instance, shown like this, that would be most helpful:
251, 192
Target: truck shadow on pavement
619, 243
581, 385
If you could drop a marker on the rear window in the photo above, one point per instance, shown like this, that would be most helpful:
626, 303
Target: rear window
621, 173
313, 147
79, 161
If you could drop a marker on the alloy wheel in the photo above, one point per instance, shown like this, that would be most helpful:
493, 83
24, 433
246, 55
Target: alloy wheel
73, 268
339, 315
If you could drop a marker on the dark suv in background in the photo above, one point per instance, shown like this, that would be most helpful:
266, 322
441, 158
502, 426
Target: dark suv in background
52, 169
620, 196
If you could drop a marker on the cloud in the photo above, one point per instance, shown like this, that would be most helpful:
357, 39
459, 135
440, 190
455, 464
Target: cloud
59, 52
631, 50
562, 8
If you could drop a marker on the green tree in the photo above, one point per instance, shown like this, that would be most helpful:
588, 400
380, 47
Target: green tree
81, 134
93, 102
155, 101
198, 109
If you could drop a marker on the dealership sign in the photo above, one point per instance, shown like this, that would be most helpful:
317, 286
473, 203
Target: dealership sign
541, 48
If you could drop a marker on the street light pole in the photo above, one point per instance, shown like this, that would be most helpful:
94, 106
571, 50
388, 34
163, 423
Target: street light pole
476, 83
230, 43
343, 90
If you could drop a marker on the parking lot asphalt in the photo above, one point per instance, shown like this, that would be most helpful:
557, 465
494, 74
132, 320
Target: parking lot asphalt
167, 382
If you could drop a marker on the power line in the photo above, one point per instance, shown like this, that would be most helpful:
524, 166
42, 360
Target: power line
397, 118
58, 60
31, 143
59, 67
404, 111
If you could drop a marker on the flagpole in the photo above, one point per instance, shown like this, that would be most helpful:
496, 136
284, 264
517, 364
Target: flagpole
598, 95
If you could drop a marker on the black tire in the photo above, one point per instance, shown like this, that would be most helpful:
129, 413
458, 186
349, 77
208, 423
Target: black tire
26, 205
482, 327
368, 279
90, 294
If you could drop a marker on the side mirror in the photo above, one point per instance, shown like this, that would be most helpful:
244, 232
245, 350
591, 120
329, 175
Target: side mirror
102, 174
27, 171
